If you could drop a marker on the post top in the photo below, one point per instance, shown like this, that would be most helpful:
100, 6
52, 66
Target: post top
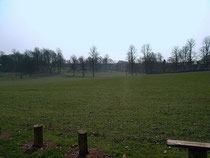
188, 144
38, 125
82, 131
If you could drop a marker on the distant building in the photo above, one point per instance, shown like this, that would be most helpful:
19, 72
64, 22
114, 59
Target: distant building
121, 65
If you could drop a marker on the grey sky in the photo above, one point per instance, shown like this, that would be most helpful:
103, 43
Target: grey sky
110, 25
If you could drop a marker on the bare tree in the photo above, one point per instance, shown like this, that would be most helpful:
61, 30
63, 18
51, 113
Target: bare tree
148, 58
190, 45
146, 50
60, 59
164, 66
183, 55
205, 50
73, 61
82, 65
94, 59
53, 57
159, 57
131, 57
105, 61
175, 57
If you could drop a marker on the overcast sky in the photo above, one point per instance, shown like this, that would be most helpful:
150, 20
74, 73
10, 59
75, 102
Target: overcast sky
110, 25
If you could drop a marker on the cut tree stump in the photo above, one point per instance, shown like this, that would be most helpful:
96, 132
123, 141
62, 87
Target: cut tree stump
195, 149
82, 140
38, 135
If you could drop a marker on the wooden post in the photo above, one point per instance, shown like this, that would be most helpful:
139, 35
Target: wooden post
0, 130
38, 135
197, 153
82, 139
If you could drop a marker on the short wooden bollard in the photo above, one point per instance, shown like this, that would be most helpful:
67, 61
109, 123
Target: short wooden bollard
195, 149
82, 139
38, 135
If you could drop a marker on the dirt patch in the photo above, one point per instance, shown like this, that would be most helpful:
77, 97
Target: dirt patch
29, 148
5, 134
73, 152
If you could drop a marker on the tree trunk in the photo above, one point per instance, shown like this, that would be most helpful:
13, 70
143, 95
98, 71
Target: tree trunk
83, 73
93, 71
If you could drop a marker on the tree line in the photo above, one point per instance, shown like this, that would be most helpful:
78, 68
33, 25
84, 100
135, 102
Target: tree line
50, 61
46, 60
181, 60
32, 61
93, 63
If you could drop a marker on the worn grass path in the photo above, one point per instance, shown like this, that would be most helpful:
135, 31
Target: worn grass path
123, 115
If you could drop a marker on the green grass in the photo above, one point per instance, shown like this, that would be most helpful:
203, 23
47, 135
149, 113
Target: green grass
140, 112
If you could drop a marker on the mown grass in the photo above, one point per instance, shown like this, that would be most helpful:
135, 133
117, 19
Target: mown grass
123, 115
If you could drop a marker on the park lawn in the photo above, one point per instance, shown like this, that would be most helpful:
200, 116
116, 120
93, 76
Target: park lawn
132, 115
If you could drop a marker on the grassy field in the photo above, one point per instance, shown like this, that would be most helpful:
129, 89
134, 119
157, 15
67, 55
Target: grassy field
123, 115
